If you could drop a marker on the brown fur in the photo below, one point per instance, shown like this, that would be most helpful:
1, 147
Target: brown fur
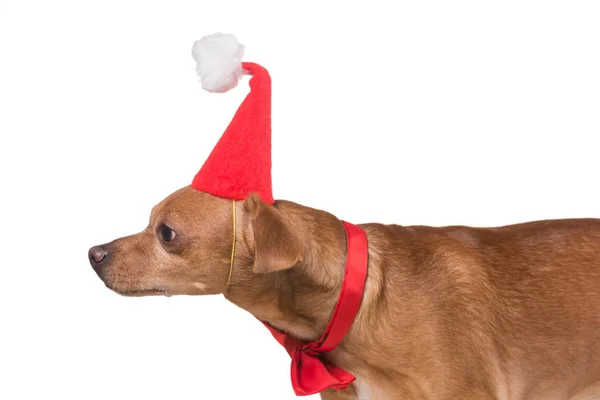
448, 313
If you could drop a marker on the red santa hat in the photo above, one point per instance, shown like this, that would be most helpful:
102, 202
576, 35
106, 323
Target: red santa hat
240, 163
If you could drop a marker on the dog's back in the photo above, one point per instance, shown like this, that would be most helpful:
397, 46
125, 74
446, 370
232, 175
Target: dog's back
510, 312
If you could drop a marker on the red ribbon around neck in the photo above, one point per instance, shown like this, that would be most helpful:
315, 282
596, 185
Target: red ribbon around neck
311, 371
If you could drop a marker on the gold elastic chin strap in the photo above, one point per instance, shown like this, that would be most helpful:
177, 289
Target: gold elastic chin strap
232, 248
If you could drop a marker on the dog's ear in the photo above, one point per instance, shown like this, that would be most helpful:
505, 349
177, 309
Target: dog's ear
275, 246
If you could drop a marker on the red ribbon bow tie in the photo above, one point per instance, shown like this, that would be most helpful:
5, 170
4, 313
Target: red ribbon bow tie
311, 372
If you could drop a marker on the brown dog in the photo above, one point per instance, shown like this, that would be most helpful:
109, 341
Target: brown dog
448, 313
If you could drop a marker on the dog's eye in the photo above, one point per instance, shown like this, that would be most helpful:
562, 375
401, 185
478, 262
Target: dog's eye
167, 234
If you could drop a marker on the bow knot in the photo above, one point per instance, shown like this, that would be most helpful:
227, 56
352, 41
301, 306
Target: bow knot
312, 374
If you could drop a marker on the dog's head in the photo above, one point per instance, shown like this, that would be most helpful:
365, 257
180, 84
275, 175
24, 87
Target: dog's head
187, 247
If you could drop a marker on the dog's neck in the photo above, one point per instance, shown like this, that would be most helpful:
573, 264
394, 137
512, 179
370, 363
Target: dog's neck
298, 301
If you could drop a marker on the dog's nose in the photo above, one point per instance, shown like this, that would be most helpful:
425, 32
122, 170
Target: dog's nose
97, 255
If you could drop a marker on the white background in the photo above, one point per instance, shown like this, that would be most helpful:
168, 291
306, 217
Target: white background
413, 113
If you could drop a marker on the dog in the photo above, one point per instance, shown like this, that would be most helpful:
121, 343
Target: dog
452, 312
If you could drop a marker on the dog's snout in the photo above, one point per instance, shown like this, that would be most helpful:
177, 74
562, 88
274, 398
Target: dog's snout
97, 255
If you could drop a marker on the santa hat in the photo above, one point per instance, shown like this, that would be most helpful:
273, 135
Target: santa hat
240, 163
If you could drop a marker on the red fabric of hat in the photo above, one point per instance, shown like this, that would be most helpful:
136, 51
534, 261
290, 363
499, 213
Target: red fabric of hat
240, 163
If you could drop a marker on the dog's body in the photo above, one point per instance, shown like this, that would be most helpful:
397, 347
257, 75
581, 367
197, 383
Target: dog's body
448, 313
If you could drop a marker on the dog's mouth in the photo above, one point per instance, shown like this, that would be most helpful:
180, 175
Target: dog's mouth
144, 292
140, 292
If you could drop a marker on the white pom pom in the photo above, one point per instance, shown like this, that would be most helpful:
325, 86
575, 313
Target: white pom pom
218, 62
